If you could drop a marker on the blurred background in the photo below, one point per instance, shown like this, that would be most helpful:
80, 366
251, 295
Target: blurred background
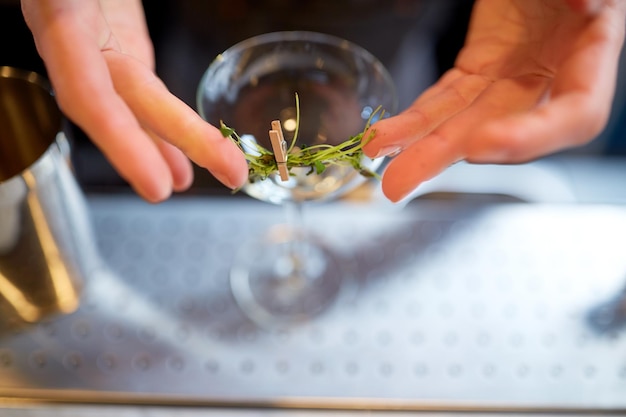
416, 39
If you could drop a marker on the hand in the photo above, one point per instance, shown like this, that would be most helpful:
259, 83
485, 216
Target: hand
534, 77
100, 62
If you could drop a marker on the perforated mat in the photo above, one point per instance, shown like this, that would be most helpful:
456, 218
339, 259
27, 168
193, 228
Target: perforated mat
448, 305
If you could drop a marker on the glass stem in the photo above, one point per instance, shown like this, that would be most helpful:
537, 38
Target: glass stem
294, 216
295, 224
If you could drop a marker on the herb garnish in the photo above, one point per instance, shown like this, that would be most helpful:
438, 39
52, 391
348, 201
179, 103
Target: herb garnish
262, 163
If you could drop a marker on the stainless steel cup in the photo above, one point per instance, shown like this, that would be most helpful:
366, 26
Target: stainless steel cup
46, 245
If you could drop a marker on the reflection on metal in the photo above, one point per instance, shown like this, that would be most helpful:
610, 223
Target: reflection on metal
66, 293
44, 238
450, 305
16, 298
29, 117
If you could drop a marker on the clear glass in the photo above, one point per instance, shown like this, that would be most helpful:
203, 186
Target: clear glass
289, 274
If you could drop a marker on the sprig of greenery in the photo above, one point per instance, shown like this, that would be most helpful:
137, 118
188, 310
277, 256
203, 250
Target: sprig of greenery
262, 163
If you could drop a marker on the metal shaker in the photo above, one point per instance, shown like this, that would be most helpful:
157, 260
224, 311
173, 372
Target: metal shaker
46, 245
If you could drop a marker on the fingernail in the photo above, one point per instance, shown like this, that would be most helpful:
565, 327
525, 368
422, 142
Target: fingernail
396, 193
237, 182
231, 180
389, 151
224, 179
161, 191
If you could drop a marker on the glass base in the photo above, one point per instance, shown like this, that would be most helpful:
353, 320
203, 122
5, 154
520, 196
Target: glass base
285, 277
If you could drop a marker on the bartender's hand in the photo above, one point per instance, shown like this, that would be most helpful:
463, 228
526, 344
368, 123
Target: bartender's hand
534, 77
100, 61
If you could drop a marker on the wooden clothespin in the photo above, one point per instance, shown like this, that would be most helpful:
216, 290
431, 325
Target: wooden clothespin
279, 146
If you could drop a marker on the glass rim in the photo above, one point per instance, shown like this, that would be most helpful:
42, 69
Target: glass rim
295, 36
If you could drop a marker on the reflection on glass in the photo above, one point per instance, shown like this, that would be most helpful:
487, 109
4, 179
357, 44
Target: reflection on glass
290, 274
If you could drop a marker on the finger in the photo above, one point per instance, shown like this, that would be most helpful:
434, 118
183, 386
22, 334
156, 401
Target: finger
127, 20
425, 115
179, 165
560, 124
448, 144
577, 111
173, 121
418, 163
79, 74
444, 82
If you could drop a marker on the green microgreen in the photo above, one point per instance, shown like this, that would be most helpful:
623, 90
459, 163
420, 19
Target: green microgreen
262, 164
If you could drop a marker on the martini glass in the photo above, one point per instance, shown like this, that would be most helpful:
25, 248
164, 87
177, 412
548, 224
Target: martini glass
289, 274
